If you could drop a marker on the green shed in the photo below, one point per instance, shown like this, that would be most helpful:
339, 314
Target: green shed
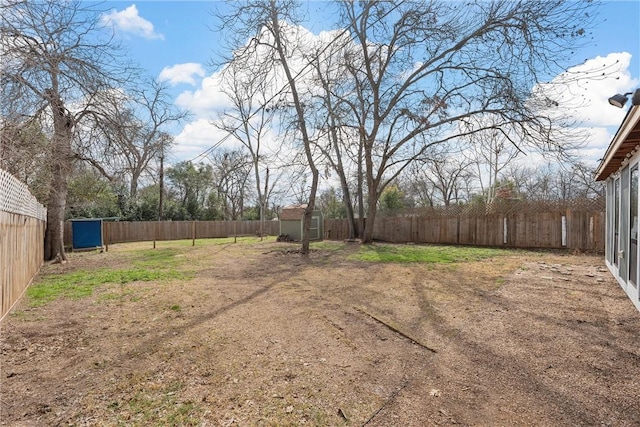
292, 222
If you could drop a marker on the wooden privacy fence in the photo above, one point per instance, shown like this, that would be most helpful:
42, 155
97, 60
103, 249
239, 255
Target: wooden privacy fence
22, 227
138, 231
526, 226
581, 230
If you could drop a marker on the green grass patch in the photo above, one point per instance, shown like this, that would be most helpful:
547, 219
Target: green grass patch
146, 266
80, 284
435, 254
160, 408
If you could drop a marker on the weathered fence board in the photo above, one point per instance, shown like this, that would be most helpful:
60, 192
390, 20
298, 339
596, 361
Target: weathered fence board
22, 227
139, 231
582, 230
336, 229
21, 255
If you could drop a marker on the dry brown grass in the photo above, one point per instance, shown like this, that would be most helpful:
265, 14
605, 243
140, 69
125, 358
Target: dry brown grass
259, 336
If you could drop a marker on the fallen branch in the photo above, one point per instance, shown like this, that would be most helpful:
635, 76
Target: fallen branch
396, 330
389, 400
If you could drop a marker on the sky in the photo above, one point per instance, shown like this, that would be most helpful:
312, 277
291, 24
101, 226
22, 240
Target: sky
176, 41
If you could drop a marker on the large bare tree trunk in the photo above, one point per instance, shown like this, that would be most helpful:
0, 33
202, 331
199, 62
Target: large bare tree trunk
360, 190
372, 196
348, 203
346, 194
54, 235
61, 167
263, 203
367, 235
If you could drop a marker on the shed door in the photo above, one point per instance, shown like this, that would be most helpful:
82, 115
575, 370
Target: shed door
314, 232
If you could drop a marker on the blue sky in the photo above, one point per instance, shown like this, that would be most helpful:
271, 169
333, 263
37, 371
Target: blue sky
179, 37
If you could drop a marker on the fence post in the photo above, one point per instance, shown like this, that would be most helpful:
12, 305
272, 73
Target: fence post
570, 229
193, 233
411, 230
599, 236
105, 235
504, 230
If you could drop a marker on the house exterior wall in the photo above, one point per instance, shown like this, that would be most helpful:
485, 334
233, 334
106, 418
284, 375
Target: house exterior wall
621, 253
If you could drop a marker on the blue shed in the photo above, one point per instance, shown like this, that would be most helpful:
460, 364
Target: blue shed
86, 233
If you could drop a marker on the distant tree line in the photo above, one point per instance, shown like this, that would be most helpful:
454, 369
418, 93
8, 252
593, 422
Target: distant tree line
200, 191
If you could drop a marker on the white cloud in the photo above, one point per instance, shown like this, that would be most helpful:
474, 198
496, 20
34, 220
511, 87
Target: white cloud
182, 73
196, 137
206, 100
209, 98
584, 90
129, 21
205, 103
200, 135
597, 140
582, 94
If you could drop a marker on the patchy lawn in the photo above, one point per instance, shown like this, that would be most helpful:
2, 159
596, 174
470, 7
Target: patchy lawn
248, 333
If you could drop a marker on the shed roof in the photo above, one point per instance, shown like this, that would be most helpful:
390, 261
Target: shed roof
624, 143
293, 212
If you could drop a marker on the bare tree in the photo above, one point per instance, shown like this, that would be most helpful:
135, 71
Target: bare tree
133, 128
249, 88
56, 59
419, 74
419, 186
275, 42
554, 181
448, 174
583, 180
429, 68
491, 152
331, 115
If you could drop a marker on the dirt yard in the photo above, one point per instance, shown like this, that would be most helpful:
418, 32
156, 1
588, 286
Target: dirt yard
257, 336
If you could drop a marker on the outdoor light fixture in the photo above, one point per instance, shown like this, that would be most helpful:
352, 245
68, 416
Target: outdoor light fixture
620, 100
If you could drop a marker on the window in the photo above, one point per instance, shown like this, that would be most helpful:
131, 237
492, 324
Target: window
633, 227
